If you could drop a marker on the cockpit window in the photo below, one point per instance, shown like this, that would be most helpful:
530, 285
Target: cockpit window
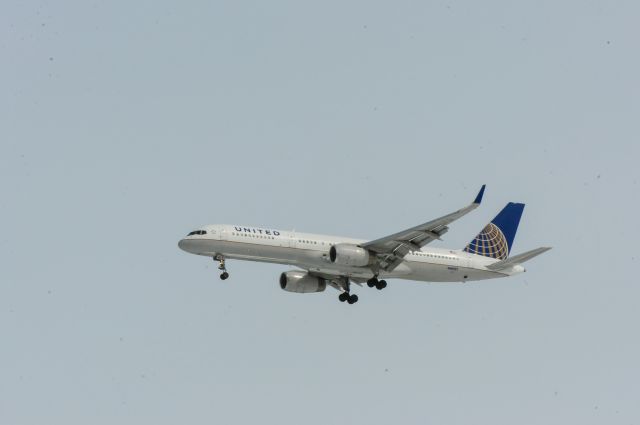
197, 232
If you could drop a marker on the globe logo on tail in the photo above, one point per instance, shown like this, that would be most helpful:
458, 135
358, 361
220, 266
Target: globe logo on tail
490, 242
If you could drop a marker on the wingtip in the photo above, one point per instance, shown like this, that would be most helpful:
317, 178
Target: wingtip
478, 199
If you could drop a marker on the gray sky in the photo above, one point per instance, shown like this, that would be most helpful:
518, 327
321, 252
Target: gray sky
124, 126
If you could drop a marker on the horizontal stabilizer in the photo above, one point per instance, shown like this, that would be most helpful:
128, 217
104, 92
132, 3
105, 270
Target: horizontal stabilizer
518, 259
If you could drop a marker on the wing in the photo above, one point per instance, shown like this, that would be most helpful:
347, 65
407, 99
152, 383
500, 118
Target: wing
391, 250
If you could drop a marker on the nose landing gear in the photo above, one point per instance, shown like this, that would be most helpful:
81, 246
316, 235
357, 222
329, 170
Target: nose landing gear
221, 266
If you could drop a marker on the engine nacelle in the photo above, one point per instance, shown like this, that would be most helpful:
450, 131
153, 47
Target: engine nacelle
301, 282
349, 255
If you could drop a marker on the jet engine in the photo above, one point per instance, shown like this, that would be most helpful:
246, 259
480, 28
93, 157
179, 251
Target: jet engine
349, 255
301, 282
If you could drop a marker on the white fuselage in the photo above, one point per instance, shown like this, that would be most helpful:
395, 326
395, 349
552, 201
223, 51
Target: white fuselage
311, 252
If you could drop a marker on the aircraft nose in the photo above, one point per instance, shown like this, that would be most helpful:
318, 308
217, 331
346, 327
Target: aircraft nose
192, 245
182, 244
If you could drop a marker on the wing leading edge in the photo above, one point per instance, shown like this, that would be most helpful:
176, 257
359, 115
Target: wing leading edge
392, 249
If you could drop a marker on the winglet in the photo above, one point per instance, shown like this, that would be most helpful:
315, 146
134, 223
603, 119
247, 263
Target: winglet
480, 194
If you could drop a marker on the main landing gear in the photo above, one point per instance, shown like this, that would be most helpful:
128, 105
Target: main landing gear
380, 284
221, 266
344, 285
350, 298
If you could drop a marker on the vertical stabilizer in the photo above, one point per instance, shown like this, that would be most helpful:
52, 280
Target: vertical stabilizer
496, 239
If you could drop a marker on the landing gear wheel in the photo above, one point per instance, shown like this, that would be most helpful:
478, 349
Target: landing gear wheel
224, 276
381, 285
353, 298
372, 282
343, 297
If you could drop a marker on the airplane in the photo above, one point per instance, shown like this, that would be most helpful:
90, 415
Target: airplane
339, 261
